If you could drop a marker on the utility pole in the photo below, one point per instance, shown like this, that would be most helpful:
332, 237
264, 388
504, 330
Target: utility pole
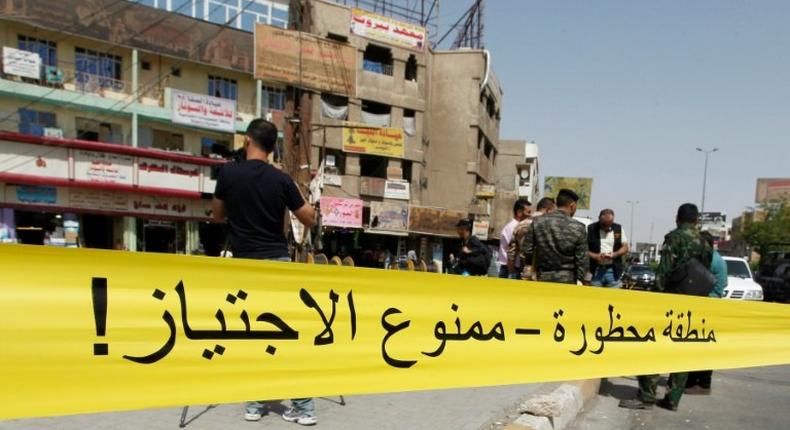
705, 175
631, 235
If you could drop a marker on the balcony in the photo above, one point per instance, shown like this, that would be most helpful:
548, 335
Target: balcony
376, 67
65, 76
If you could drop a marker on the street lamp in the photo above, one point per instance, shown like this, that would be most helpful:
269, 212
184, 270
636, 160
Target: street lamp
631, 235
705, 175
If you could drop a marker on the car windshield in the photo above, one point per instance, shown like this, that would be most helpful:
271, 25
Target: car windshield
640, 270
737, 269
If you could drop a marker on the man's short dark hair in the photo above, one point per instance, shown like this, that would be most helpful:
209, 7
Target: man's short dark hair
546, 203
520, 204
263, 134
688, 213
464, 223
565, 197
606, 212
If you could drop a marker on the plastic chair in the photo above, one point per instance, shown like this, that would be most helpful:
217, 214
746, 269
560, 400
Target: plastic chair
348, 261
310, 258
422, 267
336, 261
410, 265
320, 259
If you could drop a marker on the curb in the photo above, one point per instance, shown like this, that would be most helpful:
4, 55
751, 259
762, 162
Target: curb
556, 410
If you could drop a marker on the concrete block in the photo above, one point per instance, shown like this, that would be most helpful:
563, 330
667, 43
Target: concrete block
530, 422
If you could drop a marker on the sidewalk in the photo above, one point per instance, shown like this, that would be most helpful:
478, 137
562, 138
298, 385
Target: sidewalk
754, 398
462, 409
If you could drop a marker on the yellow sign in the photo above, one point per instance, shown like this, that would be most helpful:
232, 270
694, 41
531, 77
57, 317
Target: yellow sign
387, 142
582, 187
88, 330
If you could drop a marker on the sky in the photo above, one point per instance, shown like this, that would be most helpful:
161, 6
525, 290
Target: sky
624, 91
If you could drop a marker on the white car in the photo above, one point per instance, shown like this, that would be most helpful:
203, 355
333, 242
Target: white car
740, 283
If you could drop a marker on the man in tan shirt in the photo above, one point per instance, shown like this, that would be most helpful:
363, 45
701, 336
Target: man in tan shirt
515, 254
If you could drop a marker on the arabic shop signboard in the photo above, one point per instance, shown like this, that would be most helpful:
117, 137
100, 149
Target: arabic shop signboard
435, 221
115, 202
34, 160
199, 110
396, 190
581, 186
304, 60
21, 63
380, 28
386, 142
480, 229
339, 212
389, 216
103, 167
167, 174
485, 190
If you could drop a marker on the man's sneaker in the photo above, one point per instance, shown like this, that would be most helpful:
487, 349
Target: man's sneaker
696, 390
293, 415
635, 404
666, 404
254, 411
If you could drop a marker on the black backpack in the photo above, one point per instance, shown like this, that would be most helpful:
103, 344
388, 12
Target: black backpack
692, 278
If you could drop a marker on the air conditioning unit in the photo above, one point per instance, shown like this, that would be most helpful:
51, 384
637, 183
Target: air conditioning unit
53, 75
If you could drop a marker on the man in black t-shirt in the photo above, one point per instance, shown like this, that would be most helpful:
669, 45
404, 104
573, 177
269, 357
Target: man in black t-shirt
253, 197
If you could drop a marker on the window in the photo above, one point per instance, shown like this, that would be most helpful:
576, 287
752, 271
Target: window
145, 65
175, 71
334, 107
221, 11
334, 162
222, 87
373, 166
376, 114
411, 69
409, 122
168, 141
377, 59
89, 129
97, 70
337, 37
48, 51
34, 122
272, 98
406, 167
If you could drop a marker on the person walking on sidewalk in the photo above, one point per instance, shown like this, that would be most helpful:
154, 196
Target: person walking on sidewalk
521, 211
684, 269
252, 196
559, 243
699, 382
607, 245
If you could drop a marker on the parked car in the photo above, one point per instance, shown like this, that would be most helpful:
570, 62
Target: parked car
774, 276
639, 277
740, 282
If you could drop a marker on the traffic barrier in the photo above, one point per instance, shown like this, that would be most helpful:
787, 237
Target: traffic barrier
88, 331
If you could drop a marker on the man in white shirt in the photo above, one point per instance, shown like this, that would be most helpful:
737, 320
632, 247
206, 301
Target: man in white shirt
521, 210
607, 244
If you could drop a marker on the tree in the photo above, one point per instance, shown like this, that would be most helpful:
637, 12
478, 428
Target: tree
773, 230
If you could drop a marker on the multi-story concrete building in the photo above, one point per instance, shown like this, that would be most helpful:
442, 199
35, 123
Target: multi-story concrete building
516, 177
108, 127
465, 110
112, 114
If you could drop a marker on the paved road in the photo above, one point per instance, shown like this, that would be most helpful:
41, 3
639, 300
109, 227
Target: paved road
757, 398
466, 409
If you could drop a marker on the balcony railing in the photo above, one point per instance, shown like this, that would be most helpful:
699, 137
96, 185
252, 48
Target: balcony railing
65, 76
376, 67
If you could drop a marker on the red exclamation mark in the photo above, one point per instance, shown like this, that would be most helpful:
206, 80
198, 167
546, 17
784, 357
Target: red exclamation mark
99, 290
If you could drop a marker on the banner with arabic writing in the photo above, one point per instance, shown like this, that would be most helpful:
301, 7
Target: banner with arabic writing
387, 142
383, 29
89, 330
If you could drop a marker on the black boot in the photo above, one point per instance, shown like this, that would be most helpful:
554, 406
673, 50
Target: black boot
635, 404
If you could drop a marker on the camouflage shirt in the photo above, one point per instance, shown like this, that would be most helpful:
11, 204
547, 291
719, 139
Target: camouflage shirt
559, 244
514, 251
680, 246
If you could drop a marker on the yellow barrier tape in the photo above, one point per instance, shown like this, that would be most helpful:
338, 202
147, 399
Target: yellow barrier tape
87, 331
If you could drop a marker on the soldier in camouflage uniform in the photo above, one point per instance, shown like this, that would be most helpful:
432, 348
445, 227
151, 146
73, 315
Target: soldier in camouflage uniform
680, 246
558, 242
515, 252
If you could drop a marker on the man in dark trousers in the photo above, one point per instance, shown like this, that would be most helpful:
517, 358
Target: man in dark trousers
253, 196
607, 244
559, 243
473, 257
681, 246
